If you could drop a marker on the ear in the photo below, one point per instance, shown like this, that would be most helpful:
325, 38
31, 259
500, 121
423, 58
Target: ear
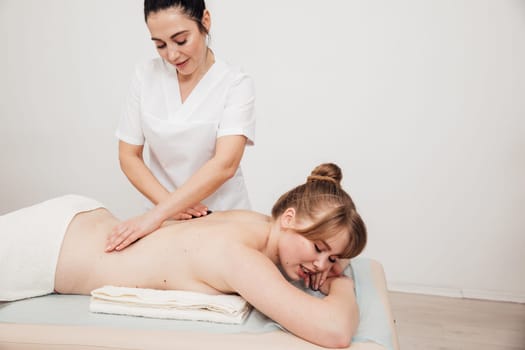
206, 20
288, 218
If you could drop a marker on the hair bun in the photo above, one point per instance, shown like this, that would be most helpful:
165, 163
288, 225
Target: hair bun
326, 172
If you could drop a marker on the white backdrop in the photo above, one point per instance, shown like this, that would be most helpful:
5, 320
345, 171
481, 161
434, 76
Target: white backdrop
421, 102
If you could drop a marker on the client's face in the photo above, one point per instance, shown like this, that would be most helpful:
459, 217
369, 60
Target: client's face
301, 257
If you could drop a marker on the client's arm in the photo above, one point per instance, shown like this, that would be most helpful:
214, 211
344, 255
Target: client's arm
329, 322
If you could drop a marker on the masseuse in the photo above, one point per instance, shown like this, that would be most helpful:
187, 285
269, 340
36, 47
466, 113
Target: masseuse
195, 113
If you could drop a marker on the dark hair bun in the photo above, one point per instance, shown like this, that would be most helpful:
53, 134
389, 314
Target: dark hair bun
326, 172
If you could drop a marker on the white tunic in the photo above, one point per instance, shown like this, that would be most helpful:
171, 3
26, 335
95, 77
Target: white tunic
180, 137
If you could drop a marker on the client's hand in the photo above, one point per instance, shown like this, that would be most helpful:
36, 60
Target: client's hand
318, 280
195, 211
131, 230
325, 288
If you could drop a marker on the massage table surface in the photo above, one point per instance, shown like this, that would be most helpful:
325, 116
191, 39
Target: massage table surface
64, 322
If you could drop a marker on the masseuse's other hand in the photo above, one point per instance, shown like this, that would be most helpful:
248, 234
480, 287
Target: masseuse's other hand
195, 211
131, 230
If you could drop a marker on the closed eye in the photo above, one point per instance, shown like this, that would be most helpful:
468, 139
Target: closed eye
159, 44
317, 249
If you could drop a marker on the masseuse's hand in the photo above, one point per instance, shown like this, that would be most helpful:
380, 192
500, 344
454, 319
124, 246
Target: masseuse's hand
195, 211
131, 230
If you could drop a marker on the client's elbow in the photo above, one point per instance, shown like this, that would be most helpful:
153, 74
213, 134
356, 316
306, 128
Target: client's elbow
338, 340
339, 333
343, 342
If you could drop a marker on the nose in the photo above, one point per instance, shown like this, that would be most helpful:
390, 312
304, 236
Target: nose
173, 53
322, 263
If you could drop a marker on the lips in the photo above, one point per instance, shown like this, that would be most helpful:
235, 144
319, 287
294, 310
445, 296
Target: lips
181, 64
303, 272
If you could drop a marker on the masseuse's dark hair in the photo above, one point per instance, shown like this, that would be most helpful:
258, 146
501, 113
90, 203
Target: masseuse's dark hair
194, 9
322, 201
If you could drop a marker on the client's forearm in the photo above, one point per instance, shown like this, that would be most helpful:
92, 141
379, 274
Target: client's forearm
342, 313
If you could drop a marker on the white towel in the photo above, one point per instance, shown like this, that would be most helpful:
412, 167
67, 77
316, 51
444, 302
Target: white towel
30, 241
169, 304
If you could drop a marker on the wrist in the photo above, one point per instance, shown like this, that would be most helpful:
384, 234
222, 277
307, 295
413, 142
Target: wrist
158, 214
343, 282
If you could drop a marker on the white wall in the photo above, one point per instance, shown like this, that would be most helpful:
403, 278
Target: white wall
421, 102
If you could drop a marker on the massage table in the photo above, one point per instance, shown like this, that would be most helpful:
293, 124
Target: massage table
64, 322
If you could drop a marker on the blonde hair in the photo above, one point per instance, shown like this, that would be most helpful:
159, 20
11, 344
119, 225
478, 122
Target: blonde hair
332, 211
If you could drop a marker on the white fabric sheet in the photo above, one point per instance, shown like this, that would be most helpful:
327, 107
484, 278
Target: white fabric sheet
169, 304
30, 244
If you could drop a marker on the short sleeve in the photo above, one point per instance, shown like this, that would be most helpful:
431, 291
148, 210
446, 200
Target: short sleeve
239, 111
129, 128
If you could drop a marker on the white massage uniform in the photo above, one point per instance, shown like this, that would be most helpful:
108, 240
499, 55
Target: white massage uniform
180, 137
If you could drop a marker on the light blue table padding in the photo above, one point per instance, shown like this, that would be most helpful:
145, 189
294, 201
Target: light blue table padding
73, 310
374, 321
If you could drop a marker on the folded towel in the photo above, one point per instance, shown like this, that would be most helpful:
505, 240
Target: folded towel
169, 304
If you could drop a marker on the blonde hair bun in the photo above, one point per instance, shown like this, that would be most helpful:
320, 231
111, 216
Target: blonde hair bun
326, 172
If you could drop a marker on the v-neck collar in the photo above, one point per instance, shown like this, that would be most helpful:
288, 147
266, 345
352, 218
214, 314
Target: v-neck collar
182, 110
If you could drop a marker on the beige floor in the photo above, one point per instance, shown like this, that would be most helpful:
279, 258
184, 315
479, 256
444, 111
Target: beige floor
431, 323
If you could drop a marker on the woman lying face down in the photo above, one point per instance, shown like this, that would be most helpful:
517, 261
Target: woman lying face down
311, 228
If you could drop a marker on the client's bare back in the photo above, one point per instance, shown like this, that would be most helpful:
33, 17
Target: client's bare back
183, 255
